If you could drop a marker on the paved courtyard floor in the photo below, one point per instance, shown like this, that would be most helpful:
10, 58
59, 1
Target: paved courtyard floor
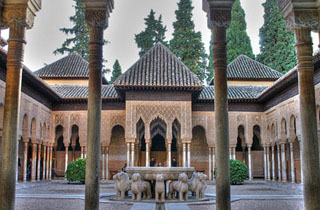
58, 195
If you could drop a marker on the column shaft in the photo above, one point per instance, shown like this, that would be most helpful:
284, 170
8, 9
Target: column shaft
34, 162
50, 164
39, 162
210, 163
103, 164
292, 163
273, 164
169, 154
283, 162
25, 161
107, 163
82, 156
147, 155
265, 163
279, 162
44, 162
184, 155
268, 163
66, 158
221, 118
132, 154
189, 155
128, 154
249, 163
310, 148
213, 160
11, 115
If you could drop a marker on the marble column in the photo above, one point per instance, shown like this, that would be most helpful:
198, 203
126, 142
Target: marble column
273, 164
169, 155
234, 153
25, 161
210, 163
147, 154
213, 160
265, 163
50, 164
107, 163
249, 163
268, 163
308, 115
44, 166
85, 151
66, 156
34, 162
283, 162
184, 155
279, 162
292, 163
17, 16
39, 161
103, 163
132, 154
230, 152
301, 168
82, 156
189, 155
128, 154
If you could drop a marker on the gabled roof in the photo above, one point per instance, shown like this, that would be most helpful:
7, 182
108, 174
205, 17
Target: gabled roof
234, 93
81, 92
71, 66
158, 68
245, 68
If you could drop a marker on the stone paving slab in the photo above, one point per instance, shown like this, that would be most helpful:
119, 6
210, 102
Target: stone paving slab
144, 206
176, 206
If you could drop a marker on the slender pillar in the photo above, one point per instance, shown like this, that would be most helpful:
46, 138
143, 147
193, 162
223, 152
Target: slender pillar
132, 154
249, 163
210, 164
184, 155
230, 151
273, 164
85, 151
66, 158
128, 154
82, 156
234, 153
103, 164
265, 163
283, 162
300, 144
34, 162
279, 162
44, 166
292, 163
213, 160
310, 148
25, 161
268, 163
221, 118
50, 164
147, 154
107, 163
11, 111
189, 155
39, 162
169, 154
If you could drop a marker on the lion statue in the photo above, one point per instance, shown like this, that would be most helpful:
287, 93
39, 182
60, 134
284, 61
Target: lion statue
180, 186
138, 187
160, 188
122, 184
203, 186
197, 184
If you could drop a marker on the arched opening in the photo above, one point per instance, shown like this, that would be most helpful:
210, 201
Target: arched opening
199, 150
175, 144
296, 149
257, 153
117, 150
58, 167
158, 132
241, 147
141, 144
74, 147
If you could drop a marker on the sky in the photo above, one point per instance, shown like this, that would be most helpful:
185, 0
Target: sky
126, 20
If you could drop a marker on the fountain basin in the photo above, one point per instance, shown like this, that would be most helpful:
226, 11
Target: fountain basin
169, 173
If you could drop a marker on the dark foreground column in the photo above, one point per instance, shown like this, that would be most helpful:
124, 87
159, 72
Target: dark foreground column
310, 149
96, 15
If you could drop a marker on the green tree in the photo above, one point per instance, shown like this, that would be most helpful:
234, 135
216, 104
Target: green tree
237, 37
186, 42
210, 72
116, 72
79, 35
277, 45
153, 33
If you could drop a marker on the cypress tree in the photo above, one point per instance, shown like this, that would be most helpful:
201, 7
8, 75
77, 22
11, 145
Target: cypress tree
116, 72
237, 37
186, 42
153, 33
277, 45
210, 72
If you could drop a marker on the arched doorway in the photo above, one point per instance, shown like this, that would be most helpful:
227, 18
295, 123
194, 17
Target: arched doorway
117, 151
257, 154
74, 147
241, 147
199, 150
158, 150
58, 167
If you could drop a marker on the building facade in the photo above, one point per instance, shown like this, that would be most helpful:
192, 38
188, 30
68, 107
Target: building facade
159, 108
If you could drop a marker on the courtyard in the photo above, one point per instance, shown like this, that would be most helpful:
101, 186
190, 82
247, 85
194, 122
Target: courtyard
60, 195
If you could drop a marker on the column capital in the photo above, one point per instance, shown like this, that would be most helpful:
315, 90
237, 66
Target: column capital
303, 14
21, 13
218, 12
186, 141
131, 140
97, 12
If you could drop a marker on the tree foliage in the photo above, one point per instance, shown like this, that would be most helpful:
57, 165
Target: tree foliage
116, 72
210, 72
186, 42
277, 45
238, 41
153, 33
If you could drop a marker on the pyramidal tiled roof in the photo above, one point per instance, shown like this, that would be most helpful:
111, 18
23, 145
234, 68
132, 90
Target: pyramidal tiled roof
78, 92
159, 67
245, 68
72, 65
234, 92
